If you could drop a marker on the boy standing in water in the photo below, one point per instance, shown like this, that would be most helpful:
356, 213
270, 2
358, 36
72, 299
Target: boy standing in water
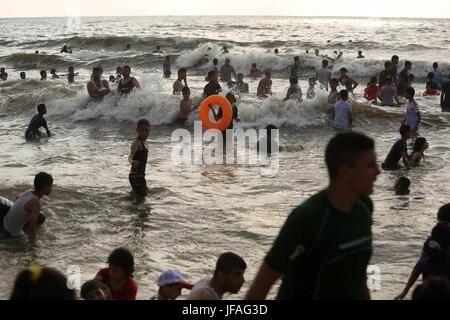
38, 121
138, 158
186, 105
398, 151
412, 112
371, 92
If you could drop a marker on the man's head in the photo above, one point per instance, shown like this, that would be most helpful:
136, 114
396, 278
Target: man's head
324, 63
373, 80
168, 59
231, 97
240, 77
94, 290
395, 59
119, 70
170, 284
343, 94
276, 51
359, 53
215, 61
293, 80
41, 109
43, 183
182, 72
333, 84
96, 73
410, 93
143, 128
408, 65
126, 70
405, 131
389, 80
227, 61
43, 74
2, 70
23, 75
229, 272
158, 47
402, 186
268, 75
343, 72
121, 264
296, 59
71, 69
213, 75
351, 159
435, 65
387, 65
52, 71
443, 214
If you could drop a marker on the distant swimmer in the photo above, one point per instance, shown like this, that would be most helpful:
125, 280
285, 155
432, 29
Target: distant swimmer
138, 158
295, 68
178, 84
240, 85
255, 72
24, 216
445, 95
399, 151
431, 85
225, 49
360, 55
158, 50
213, 86
394, 69
311, 93
71, 75
276, 51
420, 145
265, 86
3, 74
437, 75
38, 121
342, 116
388, 93
128, 47
324, 75
166, 68
401, 186
205, 58
127, 84
294, 92
97, 88
53, 73
226, 71
346, 81
64, 49
43, 75
23, 75
186, 105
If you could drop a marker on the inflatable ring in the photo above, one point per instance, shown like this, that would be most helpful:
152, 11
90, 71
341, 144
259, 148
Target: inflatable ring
227, 113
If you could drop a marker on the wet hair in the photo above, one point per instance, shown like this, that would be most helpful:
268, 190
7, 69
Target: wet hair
408, 63
42, 180
96, 69
293, 80
230, 95
167, 57
23, 74
182, 70
404, 128
90, 285
344, 95
419, 143
158, 47
343, 70
387, 64
127, 67
143, 122
185, 89
52, 70
43, 72
433, 288
38, 283
41, 107
324, 63
119, 68
71, 68
2, 69
373, 79
344, 149
404, 183
410, 91
395, 57
443, 214
267, 74
435, 65
123, 259
227, 60
389, 79
227, 261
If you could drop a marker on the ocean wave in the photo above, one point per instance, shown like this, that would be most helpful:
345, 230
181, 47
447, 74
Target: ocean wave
38, 61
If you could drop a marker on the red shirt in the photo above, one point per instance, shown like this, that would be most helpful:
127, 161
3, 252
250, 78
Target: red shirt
371, 92
126, 292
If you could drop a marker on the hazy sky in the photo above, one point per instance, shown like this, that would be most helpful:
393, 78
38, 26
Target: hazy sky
376, 8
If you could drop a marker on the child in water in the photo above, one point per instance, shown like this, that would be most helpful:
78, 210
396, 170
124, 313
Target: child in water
310, 93
138, 158
371, 92
294, 91
420, 145
186, 105
402, 186
431, 85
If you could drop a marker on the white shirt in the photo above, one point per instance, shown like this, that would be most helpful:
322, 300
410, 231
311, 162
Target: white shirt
412, 109
341, 119
17, 216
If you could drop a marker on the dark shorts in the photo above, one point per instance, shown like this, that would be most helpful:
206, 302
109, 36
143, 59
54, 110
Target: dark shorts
139, 185
390, 167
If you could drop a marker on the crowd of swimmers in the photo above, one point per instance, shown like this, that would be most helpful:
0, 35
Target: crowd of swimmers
307, 242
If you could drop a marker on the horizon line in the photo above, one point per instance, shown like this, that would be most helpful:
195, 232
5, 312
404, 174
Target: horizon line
228, 15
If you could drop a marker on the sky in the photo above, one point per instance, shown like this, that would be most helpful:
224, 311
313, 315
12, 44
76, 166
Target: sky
360, 8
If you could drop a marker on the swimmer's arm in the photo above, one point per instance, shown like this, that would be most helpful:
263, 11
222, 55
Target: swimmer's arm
264, 280
406, 161
107, 89
134, 149
355, 84
415, 273
136, 83
33, 206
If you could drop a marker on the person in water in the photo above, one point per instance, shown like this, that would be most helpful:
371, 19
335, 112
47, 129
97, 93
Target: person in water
97, 87
413, 116
213, 86
388, 93
43, 75
170, 284
240, 85
294, 68
128, 47
333, 96
312, 255
371, 91
255, 72
294, 91
53, 73
384, 74
399, 151
118, 277
445, 96
265, 86
225, 49
214, 67
186, 105
438, 77
401, 186
71, 75
158, 50
311, 93
127, 84
3, 74
431, 85
404, 80
166, 68
23, 75
64, 49
342, 115
420, 145
346, 81
138, 158
226, 71
38, 121
360, 55
24, 216
178, 84
228, 277
324, 75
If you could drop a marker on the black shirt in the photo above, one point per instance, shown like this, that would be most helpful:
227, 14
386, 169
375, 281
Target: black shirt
235, 115
395, 155
33, 128
211, 88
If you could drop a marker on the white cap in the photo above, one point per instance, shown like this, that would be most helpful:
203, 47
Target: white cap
173, 276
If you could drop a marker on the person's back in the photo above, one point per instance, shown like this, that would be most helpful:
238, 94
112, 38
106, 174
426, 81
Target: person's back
225, 72
394, 155
18, 216
202, 290
371, 92
438, 77
36, 122
343, 109
388, 93
323, 76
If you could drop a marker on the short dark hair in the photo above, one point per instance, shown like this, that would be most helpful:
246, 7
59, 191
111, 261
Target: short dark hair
211, 74
343, 69
443, 214
389, 79
293, 80
90, 285
227, 261
142, 122
344, 149
324, 63
296, 58
387, 64
435, 65
41, 107
410, 91
373, 79
408, 63
42, 180
267, 73
419, 143
344, 95
395, 57
404, 183
404, 128
123, 259
430, 75
215, 60
185, 89
127, 67
181, 70
40, 283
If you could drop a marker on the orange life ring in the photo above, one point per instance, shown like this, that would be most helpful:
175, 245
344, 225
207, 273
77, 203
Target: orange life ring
227, 113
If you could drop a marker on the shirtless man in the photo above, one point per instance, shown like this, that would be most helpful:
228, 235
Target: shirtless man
97, 88
186, 105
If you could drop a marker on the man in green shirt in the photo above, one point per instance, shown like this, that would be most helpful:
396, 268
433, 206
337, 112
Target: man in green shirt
324, 247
